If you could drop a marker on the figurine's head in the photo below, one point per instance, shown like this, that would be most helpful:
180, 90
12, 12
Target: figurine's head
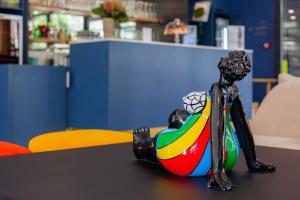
235, 67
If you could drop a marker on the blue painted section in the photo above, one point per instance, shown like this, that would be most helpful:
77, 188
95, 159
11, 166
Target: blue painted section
167, 131
237, 143
257, 17
204, 166
125, 85
32, 102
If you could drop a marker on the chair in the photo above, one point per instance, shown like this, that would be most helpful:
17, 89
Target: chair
9, 149
278, 114
77, 139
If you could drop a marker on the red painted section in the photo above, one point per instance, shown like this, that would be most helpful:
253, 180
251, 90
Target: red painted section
8, 149
185, 163
210, 172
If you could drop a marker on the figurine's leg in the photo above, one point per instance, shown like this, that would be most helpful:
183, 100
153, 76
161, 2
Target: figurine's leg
177, 118
143, 145
219, 179
246, 139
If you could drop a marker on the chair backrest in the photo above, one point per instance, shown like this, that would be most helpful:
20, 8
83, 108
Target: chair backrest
279, 113
9, 149
286, 77
77, 139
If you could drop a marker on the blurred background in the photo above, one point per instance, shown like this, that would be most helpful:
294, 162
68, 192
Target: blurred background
64, 34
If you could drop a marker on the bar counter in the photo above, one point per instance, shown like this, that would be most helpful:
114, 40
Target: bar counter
32, 101
122, 85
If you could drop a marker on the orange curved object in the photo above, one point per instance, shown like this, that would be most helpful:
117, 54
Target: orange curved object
77, 139
9, 149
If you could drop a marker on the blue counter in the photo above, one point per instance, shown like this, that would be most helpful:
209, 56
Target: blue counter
32, 101
124, 85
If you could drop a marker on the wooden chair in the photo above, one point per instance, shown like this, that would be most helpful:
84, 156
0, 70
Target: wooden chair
278, 114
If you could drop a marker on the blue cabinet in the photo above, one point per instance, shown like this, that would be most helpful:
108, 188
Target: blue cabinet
123, 85
32, 101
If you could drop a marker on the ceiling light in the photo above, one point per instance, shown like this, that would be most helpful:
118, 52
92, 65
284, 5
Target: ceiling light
293, 17
291, 11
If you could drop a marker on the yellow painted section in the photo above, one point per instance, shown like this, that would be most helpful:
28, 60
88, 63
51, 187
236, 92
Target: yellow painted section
188, 139
77, 139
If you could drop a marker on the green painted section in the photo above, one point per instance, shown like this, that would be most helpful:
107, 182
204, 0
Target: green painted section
169, 137
231, 147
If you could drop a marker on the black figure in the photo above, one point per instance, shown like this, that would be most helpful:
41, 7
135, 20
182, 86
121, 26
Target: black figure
223, 93
232, 68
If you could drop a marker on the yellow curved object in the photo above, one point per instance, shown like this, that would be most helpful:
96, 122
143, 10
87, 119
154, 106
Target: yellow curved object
77, 139
188, 139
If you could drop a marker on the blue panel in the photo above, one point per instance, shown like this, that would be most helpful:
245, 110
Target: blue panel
259, 28
36, 101
88, 95
146, 82
3, 103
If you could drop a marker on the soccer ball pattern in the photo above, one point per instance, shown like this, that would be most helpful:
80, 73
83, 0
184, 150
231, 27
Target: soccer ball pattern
194, 102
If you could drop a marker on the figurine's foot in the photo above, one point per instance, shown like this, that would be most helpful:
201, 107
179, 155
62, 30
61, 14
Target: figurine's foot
221, 182
141, 141
261, 166
141, 137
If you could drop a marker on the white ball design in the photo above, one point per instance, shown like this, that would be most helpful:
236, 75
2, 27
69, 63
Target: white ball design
194, 102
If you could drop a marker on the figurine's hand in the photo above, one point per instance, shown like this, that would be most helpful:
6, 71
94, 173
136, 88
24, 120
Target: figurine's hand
220, 181
261, 166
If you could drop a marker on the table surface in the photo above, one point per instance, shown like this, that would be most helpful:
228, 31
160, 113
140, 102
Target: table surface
111, 172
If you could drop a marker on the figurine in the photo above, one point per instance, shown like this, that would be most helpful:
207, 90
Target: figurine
199, 140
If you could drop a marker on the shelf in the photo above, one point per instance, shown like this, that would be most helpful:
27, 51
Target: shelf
147, 20
48, 40
46, 8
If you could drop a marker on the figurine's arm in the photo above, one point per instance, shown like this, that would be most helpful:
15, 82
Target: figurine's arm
217, 127
219, 179
243, 130
245, 137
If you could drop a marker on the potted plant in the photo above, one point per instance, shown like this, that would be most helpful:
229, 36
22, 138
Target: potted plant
111, 11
